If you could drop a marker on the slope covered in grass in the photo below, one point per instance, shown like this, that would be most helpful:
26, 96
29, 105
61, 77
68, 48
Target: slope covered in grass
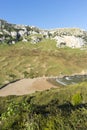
64, 109
35, 60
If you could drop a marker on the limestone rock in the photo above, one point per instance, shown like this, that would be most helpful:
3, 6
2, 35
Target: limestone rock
35, 39
69, 41
70, 37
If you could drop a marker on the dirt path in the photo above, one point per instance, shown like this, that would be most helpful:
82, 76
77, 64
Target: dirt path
26, 86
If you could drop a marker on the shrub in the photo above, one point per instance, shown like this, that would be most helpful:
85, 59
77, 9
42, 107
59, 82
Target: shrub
76, 98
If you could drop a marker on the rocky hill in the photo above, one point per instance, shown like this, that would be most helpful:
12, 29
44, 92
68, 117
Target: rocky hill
32, 97
71, 37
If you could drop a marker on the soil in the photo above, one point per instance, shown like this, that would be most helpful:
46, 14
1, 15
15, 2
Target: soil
26, 86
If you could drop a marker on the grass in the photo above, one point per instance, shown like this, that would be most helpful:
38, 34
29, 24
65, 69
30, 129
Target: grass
62, 108
43, 58
54, 109
64, 94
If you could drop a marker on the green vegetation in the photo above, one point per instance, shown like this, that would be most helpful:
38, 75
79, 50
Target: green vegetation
53, 109
63, 108
76, 99
44, 58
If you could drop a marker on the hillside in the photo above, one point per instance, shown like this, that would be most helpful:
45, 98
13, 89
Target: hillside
71, 37
24, 60
31, 97
48, 110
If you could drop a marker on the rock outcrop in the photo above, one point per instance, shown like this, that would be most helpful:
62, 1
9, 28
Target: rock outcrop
70, 37
70, 41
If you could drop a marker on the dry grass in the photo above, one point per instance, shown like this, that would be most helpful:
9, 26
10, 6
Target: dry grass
26, 60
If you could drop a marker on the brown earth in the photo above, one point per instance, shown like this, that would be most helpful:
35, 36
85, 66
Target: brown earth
26, 86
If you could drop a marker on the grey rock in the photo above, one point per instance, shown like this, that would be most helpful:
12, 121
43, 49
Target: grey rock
70, 37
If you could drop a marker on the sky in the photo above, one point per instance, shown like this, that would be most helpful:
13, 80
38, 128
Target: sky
45, 14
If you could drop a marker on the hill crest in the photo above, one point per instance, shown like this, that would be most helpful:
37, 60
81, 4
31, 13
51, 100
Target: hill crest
71, 37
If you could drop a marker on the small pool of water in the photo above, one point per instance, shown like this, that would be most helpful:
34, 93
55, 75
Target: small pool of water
67, 80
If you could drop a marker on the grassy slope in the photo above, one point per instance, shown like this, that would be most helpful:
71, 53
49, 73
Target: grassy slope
64, 109
28, 60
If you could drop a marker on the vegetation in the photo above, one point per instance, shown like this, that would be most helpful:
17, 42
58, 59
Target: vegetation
53, 109
44, 58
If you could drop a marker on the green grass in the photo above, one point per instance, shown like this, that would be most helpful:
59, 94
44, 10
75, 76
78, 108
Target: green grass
54, 109
43, 58
62, 108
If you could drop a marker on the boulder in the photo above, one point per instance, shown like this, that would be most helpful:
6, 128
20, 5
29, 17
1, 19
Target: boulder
69, 41
35, 39
13, 34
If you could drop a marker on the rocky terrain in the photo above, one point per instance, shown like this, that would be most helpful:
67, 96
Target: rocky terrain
70, 37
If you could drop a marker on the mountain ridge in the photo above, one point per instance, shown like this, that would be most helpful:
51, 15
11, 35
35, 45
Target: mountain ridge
70, 37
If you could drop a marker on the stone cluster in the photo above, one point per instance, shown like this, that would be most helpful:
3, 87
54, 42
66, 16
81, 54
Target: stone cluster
70, 37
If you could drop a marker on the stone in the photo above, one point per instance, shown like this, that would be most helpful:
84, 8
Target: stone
35, 39
24, 40
69, 41
65, 37
13, 34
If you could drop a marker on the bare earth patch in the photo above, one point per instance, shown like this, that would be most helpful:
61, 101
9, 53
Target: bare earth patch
26, 86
